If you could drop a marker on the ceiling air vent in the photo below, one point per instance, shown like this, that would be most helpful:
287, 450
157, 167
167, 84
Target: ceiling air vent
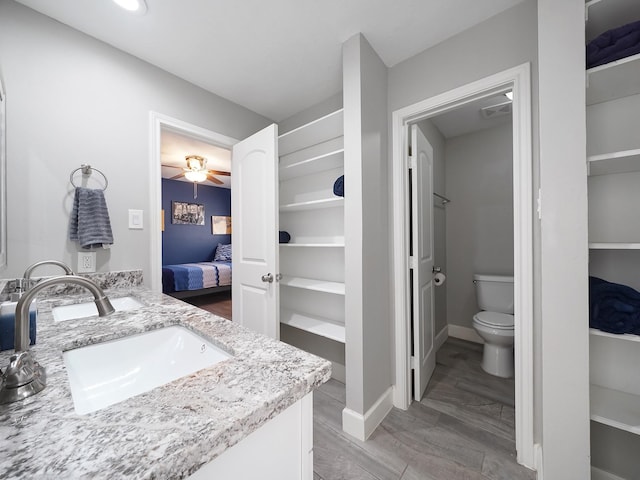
498, 110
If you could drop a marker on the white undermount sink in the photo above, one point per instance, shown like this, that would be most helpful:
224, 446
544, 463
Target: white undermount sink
88, 309
110, 372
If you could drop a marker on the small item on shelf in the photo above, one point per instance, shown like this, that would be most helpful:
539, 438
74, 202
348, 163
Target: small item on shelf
284, 237
338, 186
613, 308
8, 322
614, 44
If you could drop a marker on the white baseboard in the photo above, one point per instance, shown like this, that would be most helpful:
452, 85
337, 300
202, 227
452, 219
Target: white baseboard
361, 426
597, 474
537, 458
464, 333
441, 337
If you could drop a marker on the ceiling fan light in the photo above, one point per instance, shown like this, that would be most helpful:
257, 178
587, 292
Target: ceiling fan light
196, 162
196, 176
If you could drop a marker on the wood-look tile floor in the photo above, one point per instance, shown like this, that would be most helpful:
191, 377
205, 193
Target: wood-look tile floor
463, 428
216, 303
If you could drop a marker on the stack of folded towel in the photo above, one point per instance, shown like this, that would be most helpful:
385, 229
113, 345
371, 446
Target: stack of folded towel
613, 308
614, 44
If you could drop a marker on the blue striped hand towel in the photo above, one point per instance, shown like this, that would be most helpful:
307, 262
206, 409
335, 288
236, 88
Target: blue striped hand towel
90, 225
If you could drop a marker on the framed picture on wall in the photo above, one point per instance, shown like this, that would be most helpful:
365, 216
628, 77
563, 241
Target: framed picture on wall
187, 213
220, 225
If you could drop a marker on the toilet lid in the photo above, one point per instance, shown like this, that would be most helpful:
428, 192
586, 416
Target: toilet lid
494, 319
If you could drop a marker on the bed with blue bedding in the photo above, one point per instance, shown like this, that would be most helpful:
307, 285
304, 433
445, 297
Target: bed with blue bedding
191, 279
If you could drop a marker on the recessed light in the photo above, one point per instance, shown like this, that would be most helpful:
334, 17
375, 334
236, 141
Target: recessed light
136, 6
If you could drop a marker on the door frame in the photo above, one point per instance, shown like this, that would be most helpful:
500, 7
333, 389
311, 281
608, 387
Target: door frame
519, 80
158, 121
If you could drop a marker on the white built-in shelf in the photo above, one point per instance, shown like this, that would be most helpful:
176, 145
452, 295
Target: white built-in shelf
624, 336
312, 245
320, 130
603, 15
613, 80
615, 408
316, 325
308, 166
336, 288
313, 204
615, 162
613, 246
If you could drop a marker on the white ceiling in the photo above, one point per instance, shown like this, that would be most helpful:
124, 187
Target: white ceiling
174, 147
468, 118
274, 57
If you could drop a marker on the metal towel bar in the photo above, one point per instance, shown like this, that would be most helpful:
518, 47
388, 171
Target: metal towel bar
88, 170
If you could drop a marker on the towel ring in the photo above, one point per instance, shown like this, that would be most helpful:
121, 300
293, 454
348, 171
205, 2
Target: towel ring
87, 170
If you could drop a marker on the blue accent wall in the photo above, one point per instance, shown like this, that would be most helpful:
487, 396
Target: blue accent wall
192, 243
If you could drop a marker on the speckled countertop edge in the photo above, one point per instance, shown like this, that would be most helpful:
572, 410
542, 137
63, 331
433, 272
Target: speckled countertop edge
169, 432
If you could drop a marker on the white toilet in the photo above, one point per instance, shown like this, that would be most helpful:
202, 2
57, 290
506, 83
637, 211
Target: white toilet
495, 322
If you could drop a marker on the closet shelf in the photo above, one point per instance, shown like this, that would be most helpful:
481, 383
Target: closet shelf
312, 245
318, 131
624, 337
313, 204
613, 80
324, 286
313, 324
613, 246
603, 15
615, 408
308, 166
615, 162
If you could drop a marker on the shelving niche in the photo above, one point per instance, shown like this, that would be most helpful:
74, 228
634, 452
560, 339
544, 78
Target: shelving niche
312, 289
613, 111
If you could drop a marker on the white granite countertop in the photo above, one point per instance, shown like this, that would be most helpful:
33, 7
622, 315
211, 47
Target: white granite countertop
169, 432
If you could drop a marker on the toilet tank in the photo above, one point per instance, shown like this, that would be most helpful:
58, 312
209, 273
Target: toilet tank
494, 292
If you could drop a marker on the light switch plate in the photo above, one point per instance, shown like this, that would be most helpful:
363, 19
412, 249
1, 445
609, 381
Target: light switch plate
136, 220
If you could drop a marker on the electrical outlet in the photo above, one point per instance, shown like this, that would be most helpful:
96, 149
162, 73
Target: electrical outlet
86, 262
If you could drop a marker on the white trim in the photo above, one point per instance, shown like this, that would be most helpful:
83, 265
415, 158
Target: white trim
361, 426
597, 474
158, 121
537, 455
465, 333
441, 337
517, 78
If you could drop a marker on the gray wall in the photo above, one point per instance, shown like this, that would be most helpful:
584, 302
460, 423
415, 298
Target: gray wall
479, 179
70, 100
437, 141
367, 237
565, 364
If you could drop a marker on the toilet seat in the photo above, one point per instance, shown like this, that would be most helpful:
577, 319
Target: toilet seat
500, 321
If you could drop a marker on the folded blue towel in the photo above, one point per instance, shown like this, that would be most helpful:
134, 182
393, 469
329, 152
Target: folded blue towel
338, 186
90, 225
613, 308
614, 44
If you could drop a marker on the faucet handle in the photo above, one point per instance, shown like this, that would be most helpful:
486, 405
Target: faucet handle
22, 378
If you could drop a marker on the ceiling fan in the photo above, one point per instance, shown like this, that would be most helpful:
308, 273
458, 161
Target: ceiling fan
196, 170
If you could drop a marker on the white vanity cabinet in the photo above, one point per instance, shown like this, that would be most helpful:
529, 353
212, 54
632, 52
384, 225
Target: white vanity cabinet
281, 449
613, 148
312, 288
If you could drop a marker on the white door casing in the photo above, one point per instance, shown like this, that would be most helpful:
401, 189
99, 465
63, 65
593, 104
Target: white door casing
254, 212
424, 355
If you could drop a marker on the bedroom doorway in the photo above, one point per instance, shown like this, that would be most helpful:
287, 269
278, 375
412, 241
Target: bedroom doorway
193, 225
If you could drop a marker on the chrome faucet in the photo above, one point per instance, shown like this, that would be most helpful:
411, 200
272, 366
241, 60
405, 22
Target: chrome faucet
24, 376
23, 284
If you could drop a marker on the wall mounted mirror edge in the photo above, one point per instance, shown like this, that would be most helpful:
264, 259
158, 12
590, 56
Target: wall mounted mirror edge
3, 176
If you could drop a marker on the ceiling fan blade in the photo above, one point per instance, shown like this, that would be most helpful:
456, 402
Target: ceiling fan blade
214, 179
177, 176
220, 172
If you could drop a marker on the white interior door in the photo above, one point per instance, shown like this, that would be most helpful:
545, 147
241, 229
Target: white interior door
254, 210
422, 253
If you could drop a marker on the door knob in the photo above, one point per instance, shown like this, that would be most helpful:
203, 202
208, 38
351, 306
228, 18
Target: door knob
268, 278
436, 269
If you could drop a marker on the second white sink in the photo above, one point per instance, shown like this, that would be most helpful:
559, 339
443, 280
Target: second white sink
88, 309
110, 372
